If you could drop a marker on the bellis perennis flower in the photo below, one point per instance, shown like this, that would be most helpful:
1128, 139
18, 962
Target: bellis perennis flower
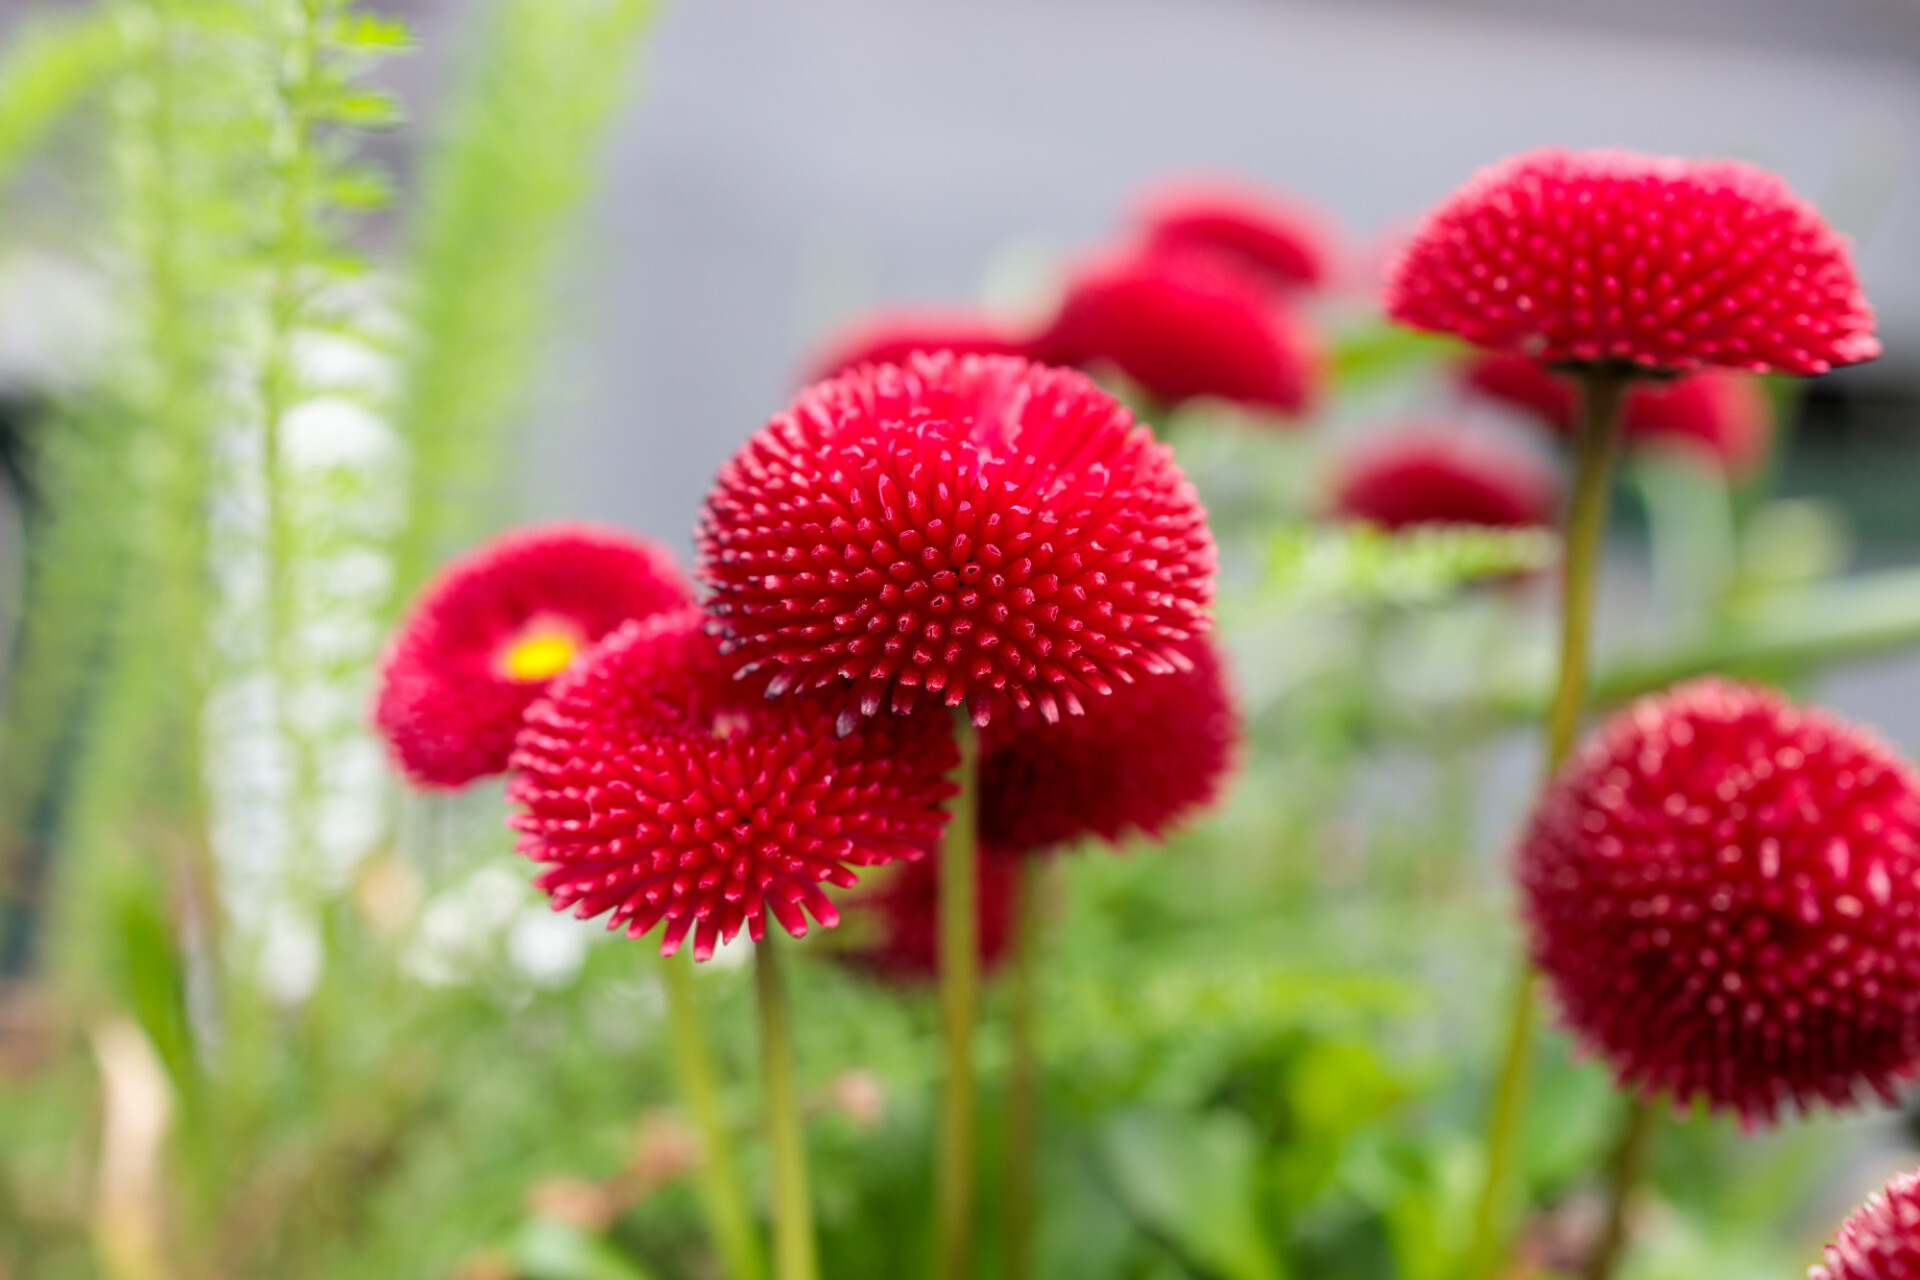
1435, 475
903, 917
1724, 892
1283, 244
1881, 1241
889, 337
486, 636
658, 791
993, 532
1647, 261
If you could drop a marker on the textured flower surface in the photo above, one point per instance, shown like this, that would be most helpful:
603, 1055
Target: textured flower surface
1154, 752
485, 637
656, 789
993, 532
889, 337
1652, 261
1283, 243
1437, 475
1183, 325
1881, 1241
1722, 889
903, 918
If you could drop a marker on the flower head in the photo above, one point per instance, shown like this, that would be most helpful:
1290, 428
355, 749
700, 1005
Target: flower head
1433, 475
1285, 245
889, 337
1183, 325
1881, 1241
487, 635
996, 533
658, 790
903, 913
1139, 760
1651, 261
1722, 889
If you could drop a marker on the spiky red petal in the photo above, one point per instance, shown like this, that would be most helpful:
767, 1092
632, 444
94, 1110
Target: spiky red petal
889, 337
1436, 475
1881, 1240
1285, 244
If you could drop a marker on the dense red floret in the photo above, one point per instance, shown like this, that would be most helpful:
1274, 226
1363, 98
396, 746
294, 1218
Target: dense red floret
994, 532
659, 790
1283, 243
1881, 1241
1722, 890
1652, 261
1435, 475
1183, 325
902, 915
889, 337
487, 635
1141, 760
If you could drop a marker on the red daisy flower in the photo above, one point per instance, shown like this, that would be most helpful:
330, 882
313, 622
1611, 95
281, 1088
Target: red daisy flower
1139, 760
903, 913
992, 531
660, 791
1284, 244
1722, 889
889, 337
1881, 1241
487, 635
1433, 475
1183, 325
1650, 261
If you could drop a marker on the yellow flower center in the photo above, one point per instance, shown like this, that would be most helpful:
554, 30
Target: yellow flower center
538, 657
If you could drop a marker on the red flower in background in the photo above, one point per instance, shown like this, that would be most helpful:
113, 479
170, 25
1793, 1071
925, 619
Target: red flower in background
1183, 325
486, 636
903, 915
659, 790
1881, 1241
889, 337
1271, 237
994, 532
1436, 475
1722, 890
1140, 760
1652, 261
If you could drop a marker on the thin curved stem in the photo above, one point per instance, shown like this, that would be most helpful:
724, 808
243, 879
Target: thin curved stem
955, 1173
1019, 1189
1624, 1169
794, 1255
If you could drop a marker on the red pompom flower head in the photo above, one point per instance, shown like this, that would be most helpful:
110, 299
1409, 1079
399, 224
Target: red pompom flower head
1723, 889
1434, 475
903, 917
889, 337
996, 533
1139, 760
1881, 1241
486, 637
1282, 243
658, 790
1647, 262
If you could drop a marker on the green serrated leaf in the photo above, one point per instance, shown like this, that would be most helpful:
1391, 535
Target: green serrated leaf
363, 109
371, 33
1361, 563
359, 188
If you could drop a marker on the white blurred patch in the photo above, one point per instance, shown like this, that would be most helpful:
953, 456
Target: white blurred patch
548, 947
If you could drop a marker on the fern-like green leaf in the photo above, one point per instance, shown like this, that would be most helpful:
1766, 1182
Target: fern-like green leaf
1360, 564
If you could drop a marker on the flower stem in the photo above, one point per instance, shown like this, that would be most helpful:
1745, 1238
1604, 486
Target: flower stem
954, 1174
793, 1246
1623, 1173
1023, 1082
724, 1203
1602, 391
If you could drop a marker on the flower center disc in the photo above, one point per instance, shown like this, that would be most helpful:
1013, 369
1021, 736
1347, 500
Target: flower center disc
536, 657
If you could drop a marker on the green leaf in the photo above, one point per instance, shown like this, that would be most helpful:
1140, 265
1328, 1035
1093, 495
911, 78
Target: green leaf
1192, 1180
371, 33
1361, 563
548, 1250
363, 109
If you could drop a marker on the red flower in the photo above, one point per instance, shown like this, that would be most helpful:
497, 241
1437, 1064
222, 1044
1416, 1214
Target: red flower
1432, 475
1722, 889
1726, 414
1285, 245
1182, 325
903, 912
1881, 1241
1649, 260
1139, 760
889, 337
659, 790
486, 636
993, 531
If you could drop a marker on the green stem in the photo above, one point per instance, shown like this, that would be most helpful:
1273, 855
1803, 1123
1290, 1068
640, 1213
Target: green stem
721, 1198
1020, 1187
957, 1157
1602, 390
1623, 1174
793, 1246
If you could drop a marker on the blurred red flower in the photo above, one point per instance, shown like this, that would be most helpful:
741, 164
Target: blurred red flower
1881, 1241
903, 914
1438, 475
1265, 234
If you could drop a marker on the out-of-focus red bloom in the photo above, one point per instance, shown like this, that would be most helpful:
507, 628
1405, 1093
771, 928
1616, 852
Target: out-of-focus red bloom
1286, 245
487, 635
1724, 413
903, 915
1881, 1241
1650, 261
1140, 759
1436, 475
1722, 889
889, 337
657, 789
994, 532
1184, 325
